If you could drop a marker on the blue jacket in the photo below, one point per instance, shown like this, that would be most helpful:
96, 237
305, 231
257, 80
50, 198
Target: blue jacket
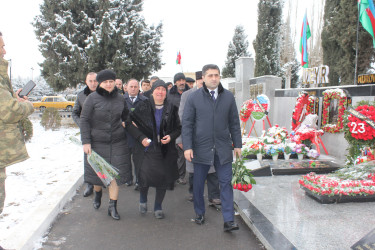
209, 127
131, 107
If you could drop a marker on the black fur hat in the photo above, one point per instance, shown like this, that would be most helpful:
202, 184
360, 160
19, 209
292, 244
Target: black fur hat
105, 75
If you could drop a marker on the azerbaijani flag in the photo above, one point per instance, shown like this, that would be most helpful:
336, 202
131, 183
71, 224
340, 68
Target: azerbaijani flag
178, 60
367, 16
305, 34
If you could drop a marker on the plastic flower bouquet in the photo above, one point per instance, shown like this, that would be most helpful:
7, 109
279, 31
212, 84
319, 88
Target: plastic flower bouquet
272, 150
105, 171
288, 148
302, 149
313, 154
258, 147
278, 134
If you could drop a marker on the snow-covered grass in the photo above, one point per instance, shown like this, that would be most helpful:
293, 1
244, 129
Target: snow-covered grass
53, 157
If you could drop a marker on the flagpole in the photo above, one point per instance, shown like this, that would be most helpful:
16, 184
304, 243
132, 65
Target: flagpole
356, 46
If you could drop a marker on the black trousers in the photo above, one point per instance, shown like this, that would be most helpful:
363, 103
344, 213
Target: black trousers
133, 166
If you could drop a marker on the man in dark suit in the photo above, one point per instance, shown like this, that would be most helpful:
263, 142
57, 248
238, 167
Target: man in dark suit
210, 124
132, 98
91, 83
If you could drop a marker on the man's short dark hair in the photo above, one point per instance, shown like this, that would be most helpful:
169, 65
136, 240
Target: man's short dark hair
146, 81
1, 34
209, 66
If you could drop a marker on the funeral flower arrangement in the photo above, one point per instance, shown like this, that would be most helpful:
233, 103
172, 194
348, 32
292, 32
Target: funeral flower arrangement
242, 178
276, 135
330, 94
302, 102
274, 149
252, 146
351, 181
301, 149
359, 134
314, 154
246, 109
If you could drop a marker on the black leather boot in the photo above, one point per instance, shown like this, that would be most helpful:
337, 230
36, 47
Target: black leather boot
97, 199
112, 209
88, 190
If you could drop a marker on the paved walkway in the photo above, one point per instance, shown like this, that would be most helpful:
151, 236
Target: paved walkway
79, 226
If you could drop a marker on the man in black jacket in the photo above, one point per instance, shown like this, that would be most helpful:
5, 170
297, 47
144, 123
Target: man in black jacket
149, 92
76, 113
210, 124
174, 96
132, 98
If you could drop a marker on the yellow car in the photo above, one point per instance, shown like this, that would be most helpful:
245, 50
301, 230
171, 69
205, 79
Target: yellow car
57, 102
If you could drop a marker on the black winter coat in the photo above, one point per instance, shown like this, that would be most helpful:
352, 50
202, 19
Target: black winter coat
211, 126
174, 96
158, 166
101, 118
77, 109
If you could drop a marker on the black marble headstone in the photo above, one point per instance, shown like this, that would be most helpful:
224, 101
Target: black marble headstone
367, 242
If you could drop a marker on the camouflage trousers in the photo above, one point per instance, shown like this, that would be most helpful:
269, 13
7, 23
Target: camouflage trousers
2, 188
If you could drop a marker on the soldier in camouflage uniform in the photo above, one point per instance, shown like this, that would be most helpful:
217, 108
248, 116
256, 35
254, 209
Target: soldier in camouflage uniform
12, 110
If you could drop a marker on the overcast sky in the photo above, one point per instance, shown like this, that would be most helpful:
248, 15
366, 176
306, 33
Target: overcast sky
200, 29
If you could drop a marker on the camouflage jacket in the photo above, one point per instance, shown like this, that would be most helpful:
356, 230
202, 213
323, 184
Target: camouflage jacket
12, 144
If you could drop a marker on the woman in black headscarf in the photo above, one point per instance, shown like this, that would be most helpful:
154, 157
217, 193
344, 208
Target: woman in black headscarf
155, 125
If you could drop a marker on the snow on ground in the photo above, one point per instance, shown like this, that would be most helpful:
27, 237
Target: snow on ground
53, 157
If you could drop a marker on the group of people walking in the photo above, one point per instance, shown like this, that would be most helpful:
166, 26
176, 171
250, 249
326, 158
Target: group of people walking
160, 131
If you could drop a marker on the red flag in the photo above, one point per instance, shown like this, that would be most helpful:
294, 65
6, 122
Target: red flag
178, 60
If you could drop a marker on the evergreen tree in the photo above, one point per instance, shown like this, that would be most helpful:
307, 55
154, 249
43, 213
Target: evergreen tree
237, 48
267, 42
339, 42
78, 36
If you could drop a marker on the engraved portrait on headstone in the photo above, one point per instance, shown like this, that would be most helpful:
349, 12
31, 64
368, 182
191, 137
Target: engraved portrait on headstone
333, 111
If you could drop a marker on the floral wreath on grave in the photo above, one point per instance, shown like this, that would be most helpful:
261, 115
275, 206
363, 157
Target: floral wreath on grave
310, 106
355, 180
246, 110
358, 131
302, 100
261, 107
330, 94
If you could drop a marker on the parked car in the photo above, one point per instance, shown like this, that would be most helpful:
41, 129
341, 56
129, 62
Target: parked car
57, 102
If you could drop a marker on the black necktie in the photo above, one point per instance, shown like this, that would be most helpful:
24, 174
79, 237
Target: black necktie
213, 95
132, 98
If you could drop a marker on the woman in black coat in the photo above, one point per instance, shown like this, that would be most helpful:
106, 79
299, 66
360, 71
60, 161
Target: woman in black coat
101, 130
155, 125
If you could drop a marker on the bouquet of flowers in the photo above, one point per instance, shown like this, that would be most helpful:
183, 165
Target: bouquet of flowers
278, 134
242, 178
273, 150
288, 148
302, 149
105, 171
257, 147
313, 154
